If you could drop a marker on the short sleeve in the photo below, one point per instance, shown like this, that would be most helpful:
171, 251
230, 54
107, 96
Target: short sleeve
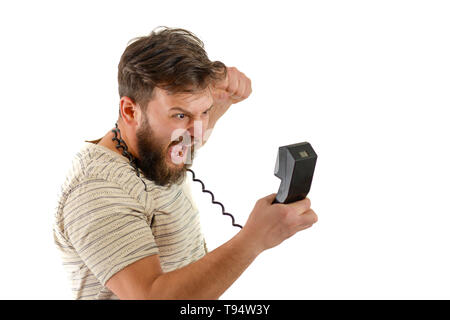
106, 227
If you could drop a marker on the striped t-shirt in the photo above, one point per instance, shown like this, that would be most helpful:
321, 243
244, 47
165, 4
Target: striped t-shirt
105, 220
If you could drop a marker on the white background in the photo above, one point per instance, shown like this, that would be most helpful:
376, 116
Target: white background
365, 82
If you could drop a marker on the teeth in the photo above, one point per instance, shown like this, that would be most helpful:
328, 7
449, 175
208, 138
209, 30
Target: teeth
179, 150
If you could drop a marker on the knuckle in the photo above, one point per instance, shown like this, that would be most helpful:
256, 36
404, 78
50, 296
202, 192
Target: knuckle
307, 202
260, 202
312, 216
303, 220
284, 212
233, 86
316, 217
306, 218
291, 211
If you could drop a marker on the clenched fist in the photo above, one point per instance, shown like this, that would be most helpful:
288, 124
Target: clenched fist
233, 89
270, 224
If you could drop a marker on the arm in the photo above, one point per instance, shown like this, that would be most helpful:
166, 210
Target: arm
233, 89
217, 111
207, 278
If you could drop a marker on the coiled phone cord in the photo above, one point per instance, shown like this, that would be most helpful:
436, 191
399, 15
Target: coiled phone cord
121, 144
212, 200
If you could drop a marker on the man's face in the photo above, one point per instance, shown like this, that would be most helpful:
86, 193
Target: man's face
168, 132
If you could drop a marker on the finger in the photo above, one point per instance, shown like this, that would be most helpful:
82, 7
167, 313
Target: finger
233, 85
248, 88
237, 97
269, 199
300, 206
244, 89
307, 218
240, 92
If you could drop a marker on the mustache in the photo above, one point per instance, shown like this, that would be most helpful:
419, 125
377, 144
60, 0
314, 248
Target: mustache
191, 142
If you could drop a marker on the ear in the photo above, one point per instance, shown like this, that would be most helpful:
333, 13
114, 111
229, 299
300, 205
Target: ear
129, 111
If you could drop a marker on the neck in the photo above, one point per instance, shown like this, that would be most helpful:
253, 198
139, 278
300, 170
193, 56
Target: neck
121, 145
108, 142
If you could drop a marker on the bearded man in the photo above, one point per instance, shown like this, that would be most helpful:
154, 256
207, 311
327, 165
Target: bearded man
126, 224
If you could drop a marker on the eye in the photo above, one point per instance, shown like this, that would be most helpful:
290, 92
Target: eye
180, 116
207, 111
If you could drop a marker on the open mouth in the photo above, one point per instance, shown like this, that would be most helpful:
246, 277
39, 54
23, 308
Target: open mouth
178, 152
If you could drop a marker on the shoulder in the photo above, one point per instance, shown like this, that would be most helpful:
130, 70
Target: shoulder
98, 162
97, 170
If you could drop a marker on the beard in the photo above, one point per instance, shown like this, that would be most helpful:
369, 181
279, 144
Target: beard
152, 158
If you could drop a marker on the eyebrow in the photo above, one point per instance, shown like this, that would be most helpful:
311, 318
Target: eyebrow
185, 111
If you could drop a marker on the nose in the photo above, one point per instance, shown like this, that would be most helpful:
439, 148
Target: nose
196, 129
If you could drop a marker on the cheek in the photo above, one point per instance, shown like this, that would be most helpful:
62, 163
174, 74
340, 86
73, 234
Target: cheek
162, 130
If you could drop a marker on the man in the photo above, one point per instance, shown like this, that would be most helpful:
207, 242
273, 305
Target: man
126, 224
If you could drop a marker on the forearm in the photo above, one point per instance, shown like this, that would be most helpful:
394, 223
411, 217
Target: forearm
210, 276
216, 113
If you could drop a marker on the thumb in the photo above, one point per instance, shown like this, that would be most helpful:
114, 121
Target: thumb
269, 199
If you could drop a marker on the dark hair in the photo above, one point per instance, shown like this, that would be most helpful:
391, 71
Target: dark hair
171, 59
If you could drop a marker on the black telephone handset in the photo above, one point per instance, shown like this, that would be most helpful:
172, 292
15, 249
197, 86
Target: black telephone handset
294, 166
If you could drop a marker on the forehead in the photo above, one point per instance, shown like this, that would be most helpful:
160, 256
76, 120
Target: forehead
192, 102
